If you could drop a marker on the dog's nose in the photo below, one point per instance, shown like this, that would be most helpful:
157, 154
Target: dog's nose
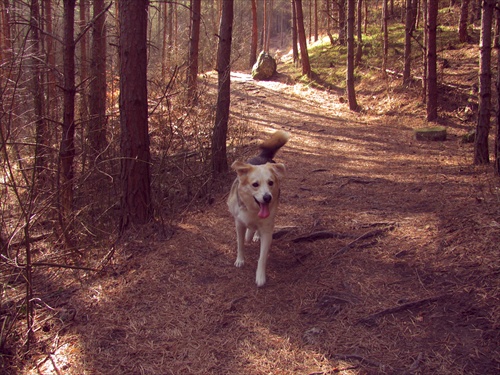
267, 198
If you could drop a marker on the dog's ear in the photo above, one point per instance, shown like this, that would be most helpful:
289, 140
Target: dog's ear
278, 169
241, 168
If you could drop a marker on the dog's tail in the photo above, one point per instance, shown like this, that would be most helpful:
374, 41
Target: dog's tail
270, 147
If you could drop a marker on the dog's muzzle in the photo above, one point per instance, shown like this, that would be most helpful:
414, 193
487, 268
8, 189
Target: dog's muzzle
264, 206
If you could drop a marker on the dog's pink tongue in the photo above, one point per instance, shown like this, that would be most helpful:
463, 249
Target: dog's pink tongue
264, 210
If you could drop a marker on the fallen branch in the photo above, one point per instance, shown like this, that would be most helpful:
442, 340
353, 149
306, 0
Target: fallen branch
370, 319
370, 234
321, 235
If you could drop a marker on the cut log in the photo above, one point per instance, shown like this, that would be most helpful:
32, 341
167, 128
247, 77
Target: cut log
437, 133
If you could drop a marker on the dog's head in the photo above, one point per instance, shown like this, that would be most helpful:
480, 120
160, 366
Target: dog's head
259, 185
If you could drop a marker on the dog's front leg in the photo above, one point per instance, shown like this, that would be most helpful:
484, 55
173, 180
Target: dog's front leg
240, 238
249, 236
265, 245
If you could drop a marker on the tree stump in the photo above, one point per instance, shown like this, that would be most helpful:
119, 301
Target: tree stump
437, 133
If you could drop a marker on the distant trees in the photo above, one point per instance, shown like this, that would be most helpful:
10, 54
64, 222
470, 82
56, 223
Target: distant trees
59, 69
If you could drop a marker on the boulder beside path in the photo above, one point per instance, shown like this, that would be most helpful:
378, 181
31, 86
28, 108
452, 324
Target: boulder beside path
264, 67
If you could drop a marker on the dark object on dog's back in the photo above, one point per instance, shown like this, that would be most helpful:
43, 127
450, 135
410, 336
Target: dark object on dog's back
269, 148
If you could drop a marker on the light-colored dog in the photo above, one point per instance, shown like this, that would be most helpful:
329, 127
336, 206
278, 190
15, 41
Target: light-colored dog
253, 200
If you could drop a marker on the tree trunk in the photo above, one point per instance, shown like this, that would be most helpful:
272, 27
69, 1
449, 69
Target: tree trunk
295, 50
194, 42
424, 53
481, 152
265, 29
84, 62
136, 205
255, 35
51, 99
463, 35
432, 93
306, 66
41, 126
329, 17
219, 137
409, 28
351, 93
97, 102
67, 148
359, 47
5, 35
342, 28
497, 135
316, 32
268, 26
385, 17
164, 46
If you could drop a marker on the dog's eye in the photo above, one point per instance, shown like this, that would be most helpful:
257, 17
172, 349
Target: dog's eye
255, 184
270, 183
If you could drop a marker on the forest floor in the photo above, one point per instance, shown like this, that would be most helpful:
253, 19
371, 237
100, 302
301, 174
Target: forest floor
386, 259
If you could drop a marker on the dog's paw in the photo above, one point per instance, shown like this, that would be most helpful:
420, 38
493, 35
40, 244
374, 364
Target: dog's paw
239, 262
249, 236
260, 279
256, 237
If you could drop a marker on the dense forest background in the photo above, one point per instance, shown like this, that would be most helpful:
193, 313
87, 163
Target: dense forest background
82, 165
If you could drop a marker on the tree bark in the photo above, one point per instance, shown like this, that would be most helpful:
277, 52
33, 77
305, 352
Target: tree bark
359, 47
481, 152
424, 54
40, 124
265, 28
497, 135
463, 35
385, 17
164, 47
351, 93
295, 50
255, 35
136, 205
306, 66
5, 35
432, 94
341, 22
97, 102
194, 43
316, 32
67, 148
409, 28
219, 137
84, 61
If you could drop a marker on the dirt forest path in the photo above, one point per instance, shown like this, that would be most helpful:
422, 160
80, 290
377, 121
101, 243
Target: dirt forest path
387, 261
